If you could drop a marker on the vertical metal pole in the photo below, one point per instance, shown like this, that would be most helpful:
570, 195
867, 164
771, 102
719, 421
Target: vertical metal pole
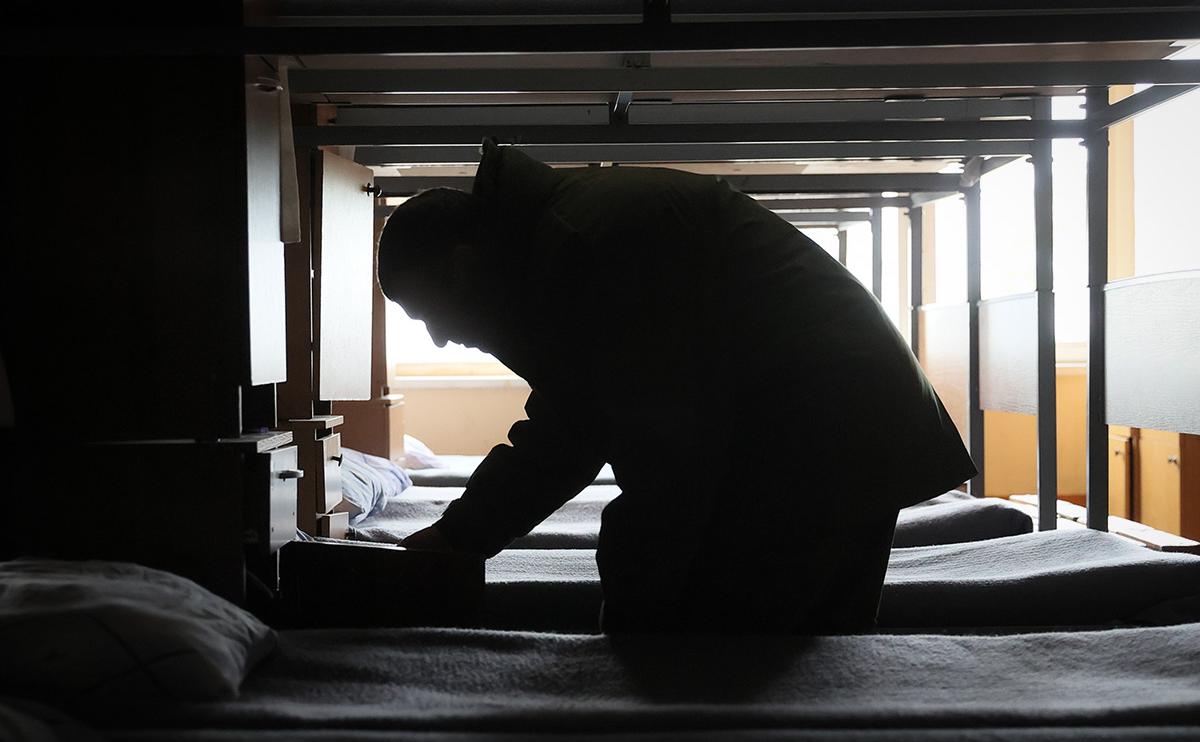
1047, 404
843, 246
916, 238
1097, 218
877, 252
974, 410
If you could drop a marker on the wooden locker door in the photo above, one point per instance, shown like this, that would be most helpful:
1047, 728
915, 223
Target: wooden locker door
344, 261
1120, 475
1158, 478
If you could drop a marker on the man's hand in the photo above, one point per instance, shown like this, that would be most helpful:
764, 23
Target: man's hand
427, 539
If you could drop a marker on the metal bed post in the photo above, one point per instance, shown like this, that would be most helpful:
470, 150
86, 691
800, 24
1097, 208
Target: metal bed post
1097, 219
843, 246
916, 240
974, 408
1047, 397
877, 252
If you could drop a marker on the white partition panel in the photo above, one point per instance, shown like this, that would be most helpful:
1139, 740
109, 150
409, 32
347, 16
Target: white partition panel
1008, 354
346, 274
1153, 352
264, 251
943, 354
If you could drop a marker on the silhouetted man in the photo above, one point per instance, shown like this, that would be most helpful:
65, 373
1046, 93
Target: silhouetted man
763, 418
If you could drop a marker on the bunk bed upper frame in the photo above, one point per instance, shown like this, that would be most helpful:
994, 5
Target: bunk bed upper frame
1010, 359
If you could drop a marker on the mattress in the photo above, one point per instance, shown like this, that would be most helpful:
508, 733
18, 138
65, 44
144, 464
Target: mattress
950, 518
445, 684
1045, 579
457, 469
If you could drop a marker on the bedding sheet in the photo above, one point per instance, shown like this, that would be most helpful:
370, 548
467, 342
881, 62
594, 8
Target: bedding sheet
441, 684
457, 469
576, 525
949, 518
1045, 579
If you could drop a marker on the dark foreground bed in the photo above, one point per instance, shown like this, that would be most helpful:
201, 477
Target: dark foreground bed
439, 684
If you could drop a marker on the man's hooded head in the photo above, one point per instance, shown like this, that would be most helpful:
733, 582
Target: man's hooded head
436, 259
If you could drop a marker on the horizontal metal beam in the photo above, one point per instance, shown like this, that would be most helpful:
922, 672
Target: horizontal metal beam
809, 77
854, 183
823, 217
835, 202
850, 131
501, 115
697, 152
956, 109
1139, 103
953, 109
872, 183
928, 197
889, 27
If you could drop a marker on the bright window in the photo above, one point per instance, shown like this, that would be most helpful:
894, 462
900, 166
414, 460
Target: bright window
950, 251
1166, 171
1007, 237
826, 237
858, 251
892, 301
1006, 230
408, 343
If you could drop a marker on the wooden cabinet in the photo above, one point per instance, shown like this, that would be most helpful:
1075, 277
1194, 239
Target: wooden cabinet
320, 490
333, 525
375, 427
1167, 481
329, 472
1120, 473
195, 509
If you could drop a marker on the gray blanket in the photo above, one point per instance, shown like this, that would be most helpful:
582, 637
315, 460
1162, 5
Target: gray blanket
1136, 683
949, 518
1046, 579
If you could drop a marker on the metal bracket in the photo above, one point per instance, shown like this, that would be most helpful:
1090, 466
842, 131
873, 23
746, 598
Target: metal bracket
656, 12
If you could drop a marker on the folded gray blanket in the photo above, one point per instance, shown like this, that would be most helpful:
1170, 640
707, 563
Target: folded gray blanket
1045, 579
478, 684
956, 518
950, 518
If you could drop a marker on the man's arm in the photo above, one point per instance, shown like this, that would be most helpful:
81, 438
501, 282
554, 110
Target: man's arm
515, 487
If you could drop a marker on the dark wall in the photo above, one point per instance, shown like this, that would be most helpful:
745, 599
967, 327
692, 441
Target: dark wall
123, 309
124, 260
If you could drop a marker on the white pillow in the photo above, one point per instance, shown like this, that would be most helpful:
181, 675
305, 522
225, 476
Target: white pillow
419, 456
105, 629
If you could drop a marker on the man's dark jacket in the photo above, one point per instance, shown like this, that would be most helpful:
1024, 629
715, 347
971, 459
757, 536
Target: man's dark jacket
703, 346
